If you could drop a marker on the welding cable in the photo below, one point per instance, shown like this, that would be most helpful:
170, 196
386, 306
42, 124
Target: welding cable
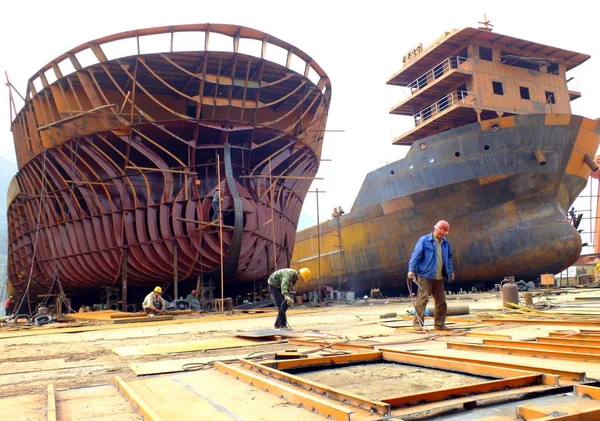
421, 322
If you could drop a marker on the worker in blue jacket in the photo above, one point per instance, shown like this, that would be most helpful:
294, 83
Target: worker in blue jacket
431, 261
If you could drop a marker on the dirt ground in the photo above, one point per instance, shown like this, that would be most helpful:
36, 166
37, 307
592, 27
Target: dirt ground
385, 380
88, 361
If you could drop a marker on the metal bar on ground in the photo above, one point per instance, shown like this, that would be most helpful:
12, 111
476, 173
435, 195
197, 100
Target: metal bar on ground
310, 402
319, 361
584, 391
568, 341
577, 376
359, 402
462, 367
544, 346
559, 355
461, 391
551, 322
136, 401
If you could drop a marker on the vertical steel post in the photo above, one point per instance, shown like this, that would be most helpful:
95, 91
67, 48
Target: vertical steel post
175, 274
272, 188
220, 232
124, 280
318, 245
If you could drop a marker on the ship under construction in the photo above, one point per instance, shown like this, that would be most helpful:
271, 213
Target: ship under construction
162, 154
495, 151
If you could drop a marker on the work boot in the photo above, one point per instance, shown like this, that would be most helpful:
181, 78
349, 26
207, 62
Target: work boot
285, 328
276, 327
441, 327
417, 329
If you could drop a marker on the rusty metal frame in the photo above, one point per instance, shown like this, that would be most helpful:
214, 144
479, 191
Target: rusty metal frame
525, 352
128, 170
508, 382
565, 376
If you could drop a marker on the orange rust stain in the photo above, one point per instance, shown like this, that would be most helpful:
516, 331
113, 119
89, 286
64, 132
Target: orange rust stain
504, 122
396, 205
492, 178
557, 119
586, 142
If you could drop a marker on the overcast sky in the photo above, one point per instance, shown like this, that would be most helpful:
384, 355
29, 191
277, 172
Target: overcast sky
358, 44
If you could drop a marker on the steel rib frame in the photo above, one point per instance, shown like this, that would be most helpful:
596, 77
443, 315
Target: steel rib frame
86, 260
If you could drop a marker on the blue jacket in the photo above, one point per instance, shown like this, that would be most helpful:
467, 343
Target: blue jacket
422, 261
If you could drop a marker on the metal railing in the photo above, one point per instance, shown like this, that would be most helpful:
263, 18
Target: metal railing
453, 98
444, 67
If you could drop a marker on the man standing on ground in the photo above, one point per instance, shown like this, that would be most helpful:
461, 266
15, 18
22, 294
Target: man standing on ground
154, 303
432, 262
9, 306
280, 284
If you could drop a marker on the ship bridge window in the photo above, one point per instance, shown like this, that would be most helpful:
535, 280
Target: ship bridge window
552, 69
485, 53
550, 98
524, 92
497, 86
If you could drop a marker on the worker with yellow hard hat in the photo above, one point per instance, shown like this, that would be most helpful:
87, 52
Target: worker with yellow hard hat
280, 284
154, 303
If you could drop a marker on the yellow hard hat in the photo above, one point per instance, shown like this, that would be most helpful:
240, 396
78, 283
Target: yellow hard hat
598, 267
305, 274
158, 289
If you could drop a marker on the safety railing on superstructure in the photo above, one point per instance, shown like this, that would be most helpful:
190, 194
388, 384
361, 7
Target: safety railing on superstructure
453, 98
436, 72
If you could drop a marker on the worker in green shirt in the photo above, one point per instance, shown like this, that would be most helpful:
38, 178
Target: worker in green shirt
280, 284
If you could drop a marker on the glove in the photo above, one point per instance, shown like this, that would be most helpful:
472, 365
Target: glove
289, 300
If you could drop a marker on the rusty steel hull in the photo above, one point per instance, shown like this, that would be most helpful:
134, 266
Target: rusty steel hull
119, 161
507, 212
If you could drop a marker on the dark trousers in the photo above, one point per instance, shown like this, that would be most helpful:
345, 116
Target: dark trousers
435, 288
9, 311
282, 306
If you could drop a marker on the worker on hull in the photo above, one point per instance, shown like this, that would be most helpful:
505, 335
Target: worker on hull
9, 306
154, 303
280, 284
431, 261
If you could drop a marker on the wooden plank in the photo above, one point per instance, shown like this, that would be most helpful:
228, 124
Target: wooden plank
190, 346
51, 405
